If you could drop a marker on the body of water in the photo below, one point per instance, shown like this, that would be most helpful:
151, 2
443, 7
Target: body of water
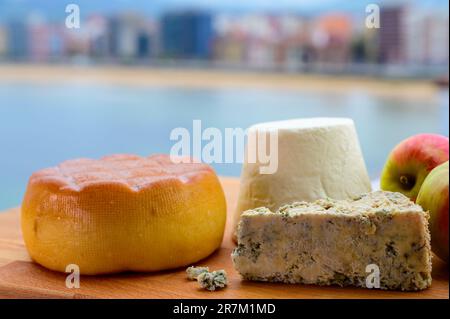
42, 125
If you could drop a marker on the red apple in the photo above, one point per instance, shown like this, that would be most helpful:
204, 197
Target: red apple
411, 161
433, 197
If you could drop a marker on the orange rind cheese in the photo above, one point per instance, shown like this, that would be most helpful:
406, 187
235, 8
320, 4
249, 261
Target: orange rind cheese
123, 213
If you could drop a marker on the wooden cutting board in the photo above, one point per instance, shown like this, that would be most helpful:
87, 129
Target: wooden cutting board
21, 278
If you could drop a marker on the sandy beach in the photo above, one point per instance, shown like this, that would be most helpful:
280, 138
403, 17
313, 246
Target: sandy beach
191, 78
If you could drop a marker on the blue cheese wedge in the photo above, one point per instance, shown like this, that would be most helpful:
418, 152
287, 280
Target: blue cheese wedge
335, 242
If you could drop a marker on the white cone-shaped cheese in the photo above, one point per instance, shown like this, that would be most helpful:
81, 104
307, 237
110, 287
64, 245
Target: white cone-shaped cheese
317, 158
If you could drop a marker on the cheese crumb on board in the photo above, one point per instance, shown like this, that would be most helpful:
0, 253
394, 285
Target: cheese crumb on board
194, 272
213, 280
332, 242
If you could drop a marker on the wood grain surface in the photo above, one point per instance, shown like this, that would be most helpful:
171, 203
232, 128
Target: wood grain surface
21, 278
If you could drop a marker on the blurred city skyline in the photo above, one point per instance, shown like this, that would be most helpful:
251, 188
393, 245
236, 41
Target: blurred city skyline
55, 9
294, 36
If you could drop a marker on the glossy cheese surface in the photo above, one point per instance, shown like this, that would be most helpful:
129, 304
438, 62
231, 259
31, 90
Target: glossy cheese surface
331, 242
123, 212
130, 171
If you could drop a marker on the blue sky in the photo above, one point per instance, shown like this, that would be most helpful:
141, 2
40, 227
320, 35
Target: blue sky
55, 8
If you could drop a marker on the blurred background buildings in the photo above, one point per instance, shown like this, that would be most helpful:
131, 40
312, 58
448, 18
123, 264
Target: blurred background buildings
413, 40
181, 60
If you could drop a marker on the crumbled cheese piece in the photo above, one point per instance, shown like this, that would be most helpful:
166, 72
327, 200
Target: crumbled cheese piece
194, 272
213, 280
